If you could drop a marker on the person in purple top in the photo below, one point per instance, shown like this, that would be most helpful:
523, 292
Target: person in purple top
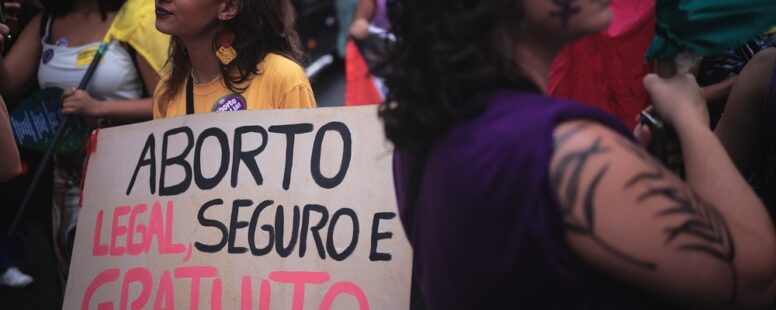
513, 199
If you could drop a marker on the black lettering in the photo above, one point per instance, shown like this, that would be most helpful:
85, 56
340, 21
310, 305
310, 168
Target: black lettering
279, 231
247, 157
201, 181
315, 161
377, 236
211, 223
315, 229
179, 160
290, 131
353, 241
252, 231
149, 148
235, 224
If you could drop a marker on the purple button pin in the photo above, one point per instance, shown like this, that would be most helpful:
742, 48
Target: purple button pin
48, 55
62, 42
233, 102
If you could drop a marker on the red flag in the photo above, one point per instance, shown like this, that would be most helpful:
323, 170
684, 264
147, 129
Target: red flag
360, 87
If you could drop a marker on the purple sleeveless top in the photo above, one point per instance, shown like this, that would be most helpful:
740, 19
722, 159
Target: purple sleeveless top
487, 231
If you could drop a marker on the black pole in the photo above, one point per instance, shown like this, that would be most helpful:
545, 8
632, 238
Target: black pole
54, 143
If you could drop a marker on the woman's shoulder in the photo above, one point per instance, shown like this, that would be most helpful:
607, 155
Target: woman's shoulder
536, 109
279, 65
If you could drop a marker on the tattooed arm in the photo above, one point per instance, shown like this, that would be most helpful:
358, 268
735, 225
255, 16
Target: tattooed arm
705, 243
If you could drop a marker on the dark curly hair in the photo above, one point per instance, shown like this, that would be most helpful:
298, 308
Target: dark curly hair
261, 27
61, 7
450, 55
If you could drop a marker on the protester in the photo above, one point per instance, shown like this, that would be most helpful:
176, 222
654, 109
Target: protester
746, 127
55, 49
369, 12
511, 197
9, 168
746, 133
229, 55
363, 87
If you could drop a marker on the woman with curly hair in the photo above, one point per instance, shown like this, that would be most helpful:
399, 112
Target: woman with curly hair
230, 55
514, 198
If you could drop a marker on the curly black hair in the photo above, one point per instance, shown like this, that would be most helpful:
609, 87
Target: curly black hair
260, 28
62, 7
450, 55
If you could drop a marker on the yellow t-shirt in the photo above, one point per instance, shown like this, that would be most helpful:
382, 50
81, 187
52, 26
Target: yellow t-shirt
280, 84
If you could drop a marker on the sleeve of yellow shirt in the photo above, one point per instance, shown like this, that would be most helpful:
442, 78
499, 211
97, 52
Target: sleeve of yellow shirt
300, 96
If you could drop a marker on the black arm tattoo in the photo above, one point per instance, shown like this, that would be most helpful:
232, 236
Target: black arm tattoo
569, 169
702, 228
705, 228
566, 10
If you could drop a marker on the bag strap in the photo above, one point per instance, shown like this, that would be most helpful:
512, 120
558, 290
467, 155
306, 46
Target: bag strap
133, 55
189, 97
46, 23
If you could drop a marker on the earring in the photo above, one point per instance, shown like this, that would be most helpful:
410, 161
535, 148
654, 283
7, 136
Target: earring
225, 52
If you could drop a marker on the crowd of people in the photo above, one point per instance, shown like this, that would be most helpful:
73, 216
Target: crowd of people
563, 206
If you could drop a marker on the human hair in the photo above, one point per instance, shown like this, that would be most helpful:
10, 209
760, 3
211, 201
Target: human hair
260, 28
450, 55
61, 7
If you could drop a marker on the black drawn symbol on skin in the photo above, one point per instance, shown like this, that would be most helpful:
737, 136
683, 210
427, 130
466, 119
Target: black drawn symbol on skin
565, 11
569, 171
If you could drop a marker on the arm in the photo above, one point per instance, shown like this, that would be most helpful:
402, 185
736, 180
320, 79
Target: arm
364, 13
10, 164
706, 243
719, 92
19, 67
365, 10
79, 102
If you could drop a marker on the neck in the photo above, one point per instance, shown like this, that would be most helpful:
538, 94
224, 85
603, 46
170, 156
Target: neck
535, 60
87, 6
204, 63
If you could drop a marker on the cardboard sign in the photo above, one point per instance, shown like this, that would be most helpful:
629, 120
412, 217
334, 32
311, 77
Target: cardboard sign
283, 209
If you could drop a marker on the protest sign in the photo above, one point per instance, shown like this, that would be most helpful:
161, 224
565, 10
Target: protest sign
282, 209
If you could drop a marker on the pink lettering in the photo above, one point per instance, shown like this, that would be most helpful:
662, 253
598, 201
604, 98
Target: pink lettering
247, 295
195, 274
165, 293
345, 288
101, 279
299, 279
118, 230
215, 295
132, 247
97, 248
143, 276
266, 292
154, 228
169, 247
